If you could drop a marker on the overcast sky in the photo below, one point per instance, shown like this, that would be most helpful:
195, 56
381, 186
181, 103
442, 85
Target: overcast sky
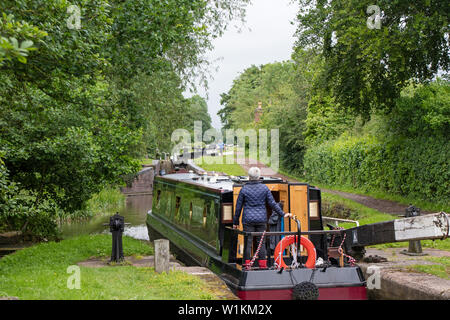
267, 36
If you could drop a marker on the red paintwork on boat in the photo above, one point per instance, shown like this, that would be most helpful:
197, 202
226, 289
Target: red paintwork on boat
337, 293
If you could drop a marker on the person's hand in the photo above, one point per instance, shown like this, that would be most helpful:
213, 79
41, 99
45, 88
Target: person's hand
288, 215
235, 226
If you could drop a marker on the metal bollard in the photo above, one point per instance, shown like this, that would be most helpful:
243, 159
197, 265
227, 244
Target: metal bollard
414, 247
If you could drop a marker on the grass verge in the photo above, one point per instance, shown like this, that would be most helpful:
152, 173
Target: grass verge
441, 268
420, 203
145, 161
40, 272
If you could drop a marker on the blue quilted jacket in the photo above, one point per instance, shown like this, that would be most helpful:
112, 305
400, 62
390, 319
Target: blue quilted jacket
253, 197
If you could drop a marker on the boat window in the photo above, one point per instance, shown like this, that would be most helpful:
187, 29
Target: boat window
314, 209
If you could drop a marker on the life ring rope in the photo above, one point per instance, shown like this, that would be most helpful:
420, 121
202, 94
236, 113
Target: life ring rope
287, 241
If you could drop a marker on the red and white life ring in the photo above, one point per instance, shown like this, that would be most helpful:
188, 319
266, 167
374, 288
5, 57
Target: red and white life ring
287, 241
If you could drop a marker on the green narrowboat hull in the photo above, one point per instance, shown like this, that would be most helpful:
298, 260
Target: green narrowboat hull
190, 214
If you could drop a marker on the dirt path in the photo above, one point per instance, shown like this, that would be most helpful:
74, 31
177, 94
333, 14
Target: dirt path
385, 206
399, 280
381, 205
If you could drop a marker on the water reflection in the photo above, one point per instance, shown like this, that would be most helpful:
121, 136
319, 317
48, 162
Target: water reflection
134, 211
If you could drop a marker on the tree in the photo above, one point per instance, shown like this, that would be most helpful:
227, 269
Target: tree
149, 34
365, 69
241, 100
198, 110
284, 88
156, 50
77, 106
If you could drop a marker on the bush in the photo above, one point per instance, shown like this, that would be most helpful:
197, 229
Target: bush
417, 167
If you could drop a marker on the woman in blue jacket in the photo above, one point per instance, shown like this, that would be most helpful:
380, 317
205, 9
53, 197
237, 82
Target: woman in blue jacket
253, 198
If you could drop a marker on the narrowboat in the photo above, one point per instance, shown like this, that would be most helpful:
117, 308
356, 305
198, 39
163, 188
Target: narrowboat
195, 212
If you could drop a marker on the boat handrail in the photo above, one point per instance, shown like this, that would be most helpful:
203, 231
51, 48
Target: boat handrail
340, 220
285, 233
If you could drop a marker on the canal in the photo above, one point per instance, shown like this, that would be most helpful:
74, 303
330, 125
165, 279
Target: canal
134, 212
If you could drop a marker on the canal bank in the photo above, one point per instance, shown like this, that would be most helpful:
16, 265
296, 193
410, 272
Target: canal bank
13, 241
397, 277
134, 211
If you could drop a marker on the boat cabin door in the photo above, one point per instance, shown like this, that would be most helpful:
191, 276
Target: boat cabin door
298, 206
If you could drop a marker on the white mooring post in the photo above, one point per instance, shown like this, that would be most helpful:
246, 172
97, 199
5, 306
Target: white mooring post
162, 255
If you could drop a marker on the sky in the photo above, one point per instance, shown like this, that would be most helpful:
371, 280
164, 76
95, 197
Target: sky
267, 36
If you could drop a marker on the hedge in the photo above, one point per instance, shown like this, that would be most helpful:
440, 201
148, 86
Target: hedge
418, 167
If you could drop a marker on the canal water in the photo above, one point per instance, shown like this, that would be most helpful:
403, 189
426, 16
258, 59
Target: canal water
134, 212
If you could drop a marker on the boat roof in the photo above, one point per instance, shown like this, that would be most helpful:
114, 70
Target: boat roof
215, 181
